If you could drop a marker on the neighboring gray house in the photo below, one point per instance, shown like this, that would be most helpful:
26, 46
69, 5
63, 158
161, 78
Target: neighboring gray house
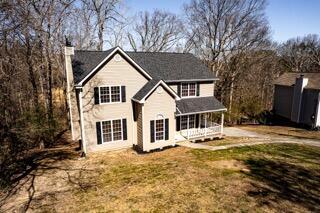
296, 98
147, 100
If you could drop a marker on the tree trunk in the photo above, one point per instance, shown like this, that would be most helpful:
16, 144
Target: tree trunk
100, 35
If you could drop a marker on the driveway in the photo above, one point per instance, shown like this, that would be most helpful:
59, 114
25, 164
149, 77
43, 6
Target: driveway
259, 139
236, 132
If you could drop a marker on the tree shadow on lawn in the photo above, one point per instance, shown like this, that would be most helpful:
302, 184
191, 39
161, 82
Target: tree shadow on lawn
24, 172
282, 181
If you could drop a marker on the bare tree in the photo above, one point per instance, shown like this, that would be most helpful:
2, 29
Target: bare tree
156, 32
105, 12
301, 54
222, 30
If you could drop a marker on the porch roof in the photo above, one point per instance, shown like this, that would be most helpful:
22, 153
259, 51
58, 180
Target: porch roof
198, 105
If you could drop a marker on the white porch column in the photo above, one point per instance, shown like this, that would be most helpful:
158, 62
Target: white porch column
188, 125
222, 120
205, 124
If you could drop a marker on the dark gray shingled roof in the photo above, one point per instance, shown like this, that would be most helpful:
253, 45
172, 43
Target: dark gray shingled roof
83, 62
172, 66
165, 66
194, 105
145, 89
289, 79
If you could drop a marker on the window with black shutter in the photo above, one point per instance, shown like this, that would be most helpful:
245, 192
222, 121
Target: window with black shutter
166, 129
123, 93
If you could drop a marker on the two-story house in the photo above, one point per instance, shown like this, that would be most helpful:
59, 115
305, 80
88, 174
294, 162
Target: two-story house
146, 100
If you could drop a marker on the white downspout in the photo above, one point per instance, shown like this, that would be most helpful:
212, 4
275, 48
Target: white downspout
83, 141
317, 114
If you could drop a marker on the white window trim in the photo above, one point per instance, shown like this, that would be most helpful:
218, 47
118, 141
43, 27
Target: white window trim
111, 121
188, 119
188, 83
155, 130
116, 102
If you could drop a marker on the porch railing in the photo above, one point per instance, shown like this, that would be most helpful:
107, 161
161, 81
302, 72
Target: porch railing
212, 129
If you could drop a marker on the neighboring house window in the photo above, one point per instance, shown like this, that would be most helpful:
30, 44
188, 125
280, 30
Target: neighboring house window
188, 89
111, 130
184, 122
110, 94
159, 133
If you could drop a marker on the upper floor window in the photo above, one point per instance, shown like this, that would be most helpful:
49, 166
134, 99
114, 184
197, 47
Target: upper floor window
188, 89
110, 94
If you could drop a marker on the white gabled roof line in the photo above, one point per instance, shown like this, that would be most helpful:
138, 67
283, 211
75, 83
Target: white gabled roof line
166, 86
108, 56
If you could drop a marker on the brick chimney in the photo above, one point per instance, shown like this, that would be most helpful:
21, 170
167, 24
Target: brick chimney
300, 84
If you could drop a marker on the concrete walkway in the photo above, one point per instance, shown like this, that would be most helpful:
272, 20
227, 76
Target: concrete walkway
236, 132
260, 139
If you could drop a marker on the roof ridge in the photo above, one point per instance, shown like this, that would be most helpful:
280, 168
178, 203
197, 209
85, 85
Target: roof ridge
156, 52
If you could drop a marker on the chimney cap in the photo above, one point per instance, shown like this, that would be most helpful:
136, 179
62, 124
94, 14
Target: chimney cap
68, 42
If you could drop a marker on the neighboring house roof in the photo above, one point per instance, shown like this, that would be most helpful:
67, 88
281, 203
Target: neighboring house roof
198, 105
289, 79
149, 87
165, 66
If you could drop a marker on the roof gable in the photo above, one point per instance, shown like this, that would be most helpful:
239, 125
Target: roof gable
86, 64
149, 88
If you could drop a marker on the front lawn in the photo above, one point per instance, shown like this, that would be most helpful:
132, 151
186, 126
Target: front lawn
262, 178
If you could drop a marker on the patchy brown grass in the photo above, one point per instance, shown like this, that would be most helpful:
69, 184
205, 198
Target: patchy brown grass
283, 131
264, 178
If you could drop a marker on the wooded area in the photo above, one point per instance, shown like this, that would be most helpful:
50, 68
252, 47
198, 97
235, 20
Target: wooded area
231, 37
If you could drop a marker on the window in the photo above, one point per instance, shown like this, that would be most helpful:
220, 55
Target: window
188, 89
184, 122
159, 133
110, 94
104, 94
111, 130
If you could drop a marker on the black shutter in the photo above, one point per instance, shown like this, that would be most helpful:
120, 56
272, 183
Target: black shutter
96, 95
179, 89
124, 129
98, 127
198, 89
166, 129
178, 123
123, 93
197, 120
152, 131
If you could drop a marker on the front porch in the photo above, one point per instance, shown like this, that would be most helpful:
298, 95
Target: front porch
199, 126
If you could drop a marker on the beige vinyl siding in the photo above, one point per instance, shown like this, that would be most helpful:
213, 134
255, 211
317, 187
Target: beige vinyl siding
206, 89
158, 104
174, 87
113, 73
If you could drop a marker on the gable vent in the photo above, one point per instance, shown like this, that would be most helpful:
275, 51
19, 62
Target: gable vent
117, 58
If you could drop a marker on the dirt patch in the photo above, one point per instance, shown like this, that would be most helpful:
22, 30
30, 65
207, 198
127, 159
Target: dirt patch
229, 164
